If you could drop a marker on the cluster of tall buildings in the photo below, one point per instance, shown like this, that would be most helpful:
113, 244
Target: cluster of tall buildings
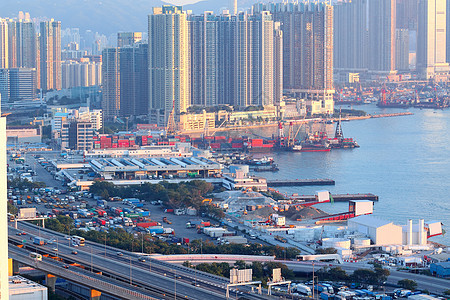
243, 59
31, 59
389, 36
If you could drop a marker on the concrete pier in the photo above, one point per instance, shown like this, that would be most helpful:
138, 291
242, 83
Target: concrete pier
299, 182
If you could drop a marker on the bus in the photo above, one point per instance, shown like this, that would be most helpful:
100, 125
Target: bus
77, 240
36, 256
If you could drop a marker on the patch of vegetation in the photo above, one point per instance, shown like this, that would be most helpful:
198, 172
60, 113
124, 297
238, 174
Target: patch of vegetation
376, 276
274, 195
22, 184
407, 284
175, 195
12, 209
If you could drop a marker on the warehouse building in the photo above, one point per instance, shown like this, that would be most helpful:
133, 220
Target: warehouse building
155, 167
380, 232
441, 269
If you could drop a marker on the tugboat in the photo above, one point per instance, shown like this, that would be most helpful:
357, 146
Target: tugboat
339, 142
265, 161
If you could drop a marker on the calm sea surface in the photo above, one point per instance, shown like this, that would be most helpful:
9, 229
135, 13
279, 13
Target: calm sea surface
404, 160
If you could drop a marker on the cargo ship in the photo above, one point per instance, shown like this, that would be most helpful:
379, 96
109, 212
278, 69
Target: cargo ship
317, 142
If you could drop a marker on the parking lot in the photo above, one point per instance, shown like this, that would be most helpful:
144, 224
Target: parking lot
57, 200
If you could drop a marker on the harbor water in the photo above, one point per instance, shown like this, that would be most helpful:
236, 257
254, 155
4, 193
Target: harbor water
404, 160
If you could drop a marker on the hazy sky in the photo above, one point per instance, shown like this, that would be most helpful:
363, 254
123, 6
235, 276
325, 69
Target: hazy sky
182, 2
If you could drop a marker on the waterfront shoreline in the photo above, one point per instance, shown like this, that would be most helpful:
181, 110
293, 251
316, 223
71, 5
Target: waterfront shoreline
295, 122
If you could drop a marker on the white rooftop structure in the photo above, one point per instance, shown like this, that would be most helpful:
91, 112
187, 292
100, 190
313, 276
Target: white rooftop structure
381, 232
21, 288
370, 221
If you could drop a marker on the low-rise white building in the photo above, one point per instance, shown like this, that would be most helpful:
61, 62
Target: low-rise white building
21, 288
381, 232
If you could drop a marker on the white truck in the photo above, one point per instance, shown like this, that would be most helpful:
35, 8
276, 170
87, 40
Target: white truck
303, 289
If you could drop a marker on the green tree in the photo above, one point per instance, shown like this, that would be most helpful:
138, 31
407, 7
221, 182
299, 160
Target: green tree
12, 209
240, 264
381, 274
334, 274
407, 284
363, 276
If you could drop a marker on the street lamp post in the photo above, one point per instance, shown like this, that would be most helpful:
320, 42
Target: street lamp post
131, 277
91, 259
313, 293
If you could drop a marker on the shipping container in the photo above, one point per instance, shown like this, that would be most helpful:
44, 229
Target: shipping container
147, 224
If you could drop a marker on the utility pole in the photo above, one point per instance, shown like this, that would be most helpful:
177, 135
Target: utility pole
105, 245
313, 293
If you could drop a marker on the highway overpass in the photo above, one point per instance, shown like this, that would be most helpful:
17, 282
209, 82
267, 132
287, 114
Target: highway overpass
158, 279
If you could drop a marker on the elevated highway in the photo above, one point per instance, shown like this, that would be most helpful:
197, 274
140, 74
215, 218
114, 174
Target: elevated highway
80, 276
159, 279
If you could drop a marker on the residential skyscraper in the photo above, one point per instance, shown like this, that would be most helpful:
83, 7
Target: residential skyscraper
235, 60
133, 80
4, 56
50, 55
4, 264
431, 45
83, 73
447, 31
402, 49
168, 39
111, 82
128, 38
307, 50
407, 14
382, 25
350, 36
125, 81
227, 58
204, 53
233, 7
21, 84
17, 44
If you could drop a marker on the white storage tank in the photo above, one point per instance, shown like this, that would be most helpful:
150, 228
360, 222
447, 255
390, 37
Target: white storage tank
361, 242
336, 243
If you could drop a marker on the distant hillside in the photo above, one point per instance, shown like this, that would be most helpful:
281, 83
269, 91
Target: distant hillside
104, 16
219, 5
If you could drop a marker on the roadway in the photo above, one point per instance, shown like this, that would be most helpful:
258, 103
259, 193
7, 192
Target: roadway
432, 284
41, 173
151, 274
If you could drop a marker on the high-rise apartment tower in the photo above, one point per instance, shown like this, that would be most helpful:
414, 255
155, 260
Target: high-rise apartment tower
50, 55
168, 39
431, 39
